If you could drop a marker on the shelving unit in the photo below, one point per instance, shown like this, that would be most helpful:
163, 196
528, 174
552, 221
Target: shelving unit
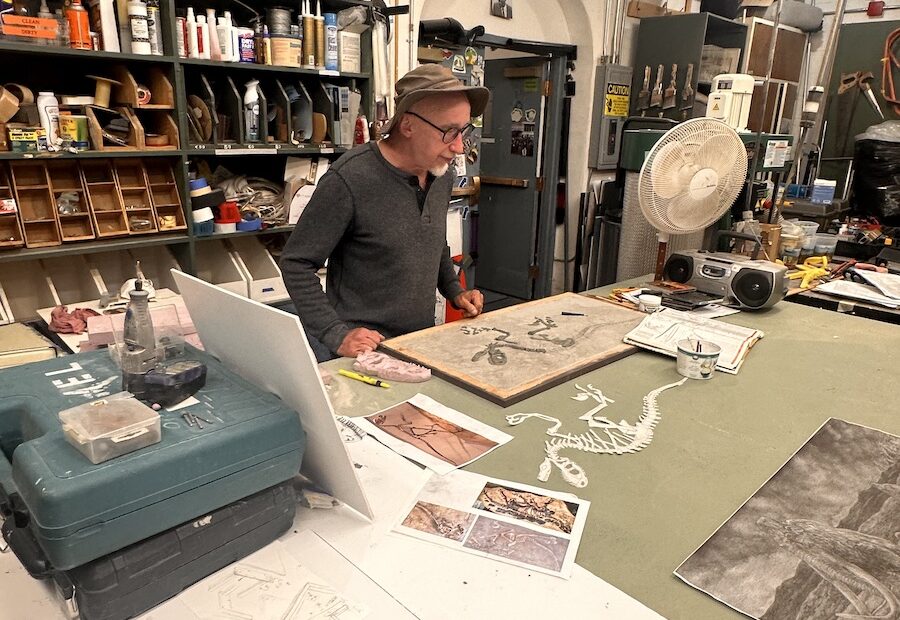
153, 181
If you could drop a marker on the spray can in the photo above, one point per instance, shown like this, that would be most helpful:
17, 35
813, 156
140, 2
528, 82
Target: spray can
251, 112
140, 31
79, 26
154, 27
331, 42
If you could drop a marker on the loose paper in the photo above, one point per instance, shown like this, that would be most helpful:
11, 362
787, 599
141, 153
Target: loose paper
661, 332
855, 290
501, 520
438, 437
817, 540
887, 283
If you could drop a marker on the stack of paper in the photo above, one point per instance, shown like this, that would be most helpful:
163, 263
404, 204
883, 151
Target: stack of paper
661, 332
862, 292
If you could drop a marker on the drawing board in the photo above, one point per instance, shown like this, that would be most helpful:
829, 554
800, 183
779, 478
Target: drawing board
818, 539
268, 347
513, 353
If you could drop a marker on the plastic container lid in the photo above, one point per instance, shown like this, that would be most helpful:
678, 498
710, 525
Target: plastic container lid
108, 417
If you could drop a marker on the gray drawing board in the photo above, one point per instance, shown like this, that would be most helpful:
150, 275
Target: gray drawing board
511, 354
268, 347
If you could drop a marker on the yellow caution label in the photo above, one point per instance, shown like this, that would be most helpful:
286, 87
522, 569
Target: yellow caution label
715, 107
617, 96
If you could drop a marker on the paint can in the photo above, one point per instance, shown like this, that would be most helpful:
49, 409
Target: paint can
696, 359
286, 50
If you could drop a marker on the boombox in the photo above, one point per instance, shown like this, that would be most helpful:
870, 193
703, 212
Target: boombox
747, 283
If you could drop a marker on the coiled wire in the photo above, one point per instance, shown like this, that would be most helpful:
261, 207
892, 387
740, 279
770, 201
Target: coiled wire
256, 197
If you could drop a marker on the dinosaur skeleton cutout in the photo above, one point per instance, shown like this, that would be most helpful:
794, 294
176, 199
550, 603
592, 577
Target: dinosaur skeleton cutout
604, 436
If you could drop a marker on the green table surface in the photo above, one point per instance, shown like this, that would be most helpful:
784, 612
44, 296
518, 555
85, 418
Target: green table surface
717, 441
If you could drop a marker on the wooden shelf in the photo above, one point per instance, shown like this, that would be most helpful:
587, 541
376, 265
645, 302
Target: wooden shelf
7, 47
92, 247
8, 155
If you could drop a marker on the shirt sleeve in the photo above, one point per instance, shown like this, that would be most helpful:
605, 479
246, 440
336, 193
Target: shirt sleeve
324, 221
448, 280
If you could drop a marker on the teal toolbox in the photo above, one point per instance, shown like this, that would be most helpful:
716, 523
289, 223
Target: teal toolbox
79, 511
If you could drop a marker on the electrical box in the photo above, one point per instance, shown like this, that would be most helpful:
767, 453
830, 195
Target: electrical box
612, 100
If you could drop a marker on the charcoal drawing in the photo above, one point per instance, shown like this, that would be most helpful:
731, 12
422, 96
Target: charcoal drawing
818, 540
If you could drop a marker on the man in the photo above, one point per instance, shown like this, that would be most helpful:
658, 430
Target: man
379, 215
500, 8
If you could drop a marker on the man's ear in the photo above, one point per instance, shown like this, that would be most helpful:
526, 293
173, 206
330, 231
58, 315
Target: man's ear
405, 126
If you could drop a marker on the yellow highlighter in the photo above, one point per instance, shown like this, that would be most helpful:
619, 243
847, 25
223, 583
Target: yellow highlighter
364, 378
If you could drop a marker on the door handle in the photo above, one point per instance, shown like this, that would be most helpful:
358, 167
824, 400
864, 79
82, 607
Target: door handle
505, 181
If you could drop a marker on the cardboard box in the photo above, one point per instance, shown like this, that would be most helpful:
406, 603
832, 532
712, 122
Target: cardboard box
26, 139
349, 52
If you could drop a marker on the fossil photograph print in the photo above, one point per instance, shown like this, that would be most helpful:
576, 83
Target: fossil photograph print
517, 543
439, 520
432, 434
547, 512
819, 540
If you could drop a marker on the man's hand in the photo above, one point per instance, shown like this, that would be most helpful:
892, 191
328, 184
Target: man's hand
359, 340
470, 302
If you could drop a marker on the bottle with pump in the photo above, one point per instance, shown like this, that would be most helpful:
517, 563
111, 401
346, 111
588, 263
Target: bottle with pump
251, 112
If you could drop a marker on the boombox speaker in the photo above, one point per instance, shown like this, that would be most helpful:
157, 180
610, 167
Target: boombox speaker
746, 283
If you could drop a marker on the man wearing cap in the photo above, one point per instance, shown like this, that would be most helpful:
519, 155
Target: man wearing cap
379, 215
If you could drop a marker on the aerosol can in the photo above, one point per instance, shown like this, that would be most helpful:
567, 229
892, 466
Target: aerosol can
251, 112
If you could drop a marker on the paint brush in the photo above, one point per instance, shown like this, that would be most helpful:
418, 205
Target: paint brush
669, 99
657, 96
643, 101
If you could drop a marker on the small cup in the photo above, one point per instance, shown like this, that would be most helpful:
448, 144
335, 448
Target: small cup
649, 303
696, 359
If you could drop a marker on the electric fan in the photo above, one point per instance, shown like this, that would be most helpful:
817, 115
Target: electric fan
691, 176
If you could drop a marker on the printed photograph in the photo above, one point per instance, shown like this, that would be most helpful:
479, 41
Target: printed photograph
818, 540
501, 8
547, 512
522, 139
432, 434
514, 542
439, 520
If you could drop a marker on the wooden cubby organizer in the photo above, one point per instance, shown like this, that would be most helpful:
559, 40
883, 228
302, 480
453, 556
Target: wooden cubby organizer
74, 215
132, 182
10, 227
108, 178
37, 209
104, 198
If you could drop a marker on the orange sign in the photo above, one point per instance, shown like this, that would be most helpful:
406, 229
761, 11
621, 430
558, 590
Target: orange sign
32, 27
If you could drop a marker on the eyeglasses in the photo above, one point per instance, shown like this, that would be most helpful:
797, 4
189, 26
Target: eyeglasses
450, 134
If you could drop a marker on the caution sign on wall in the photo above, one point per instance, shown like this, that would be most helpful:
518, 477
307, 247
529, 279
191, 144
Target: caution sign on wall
617, 96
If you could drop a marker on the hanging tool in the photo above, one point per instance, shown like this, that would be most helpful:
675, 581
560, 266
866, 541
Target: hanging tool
671, 91
657, 96
643, 101
861, 79
687, 93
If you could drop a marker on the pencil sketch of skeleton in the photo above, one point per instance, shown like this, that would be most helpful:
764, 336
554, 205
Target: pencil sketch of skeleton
847, 560
604, 436
241, 594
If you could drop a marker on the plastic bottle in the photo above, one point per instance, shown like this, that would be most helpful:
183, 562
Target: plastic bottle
62, 30
251, 112
79, 26
203, 38
45, 13
258, 45
224, 33
235, 46
215, 50
48, 110
140, 31
155, 27
331, 42
180, 41
191, 38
